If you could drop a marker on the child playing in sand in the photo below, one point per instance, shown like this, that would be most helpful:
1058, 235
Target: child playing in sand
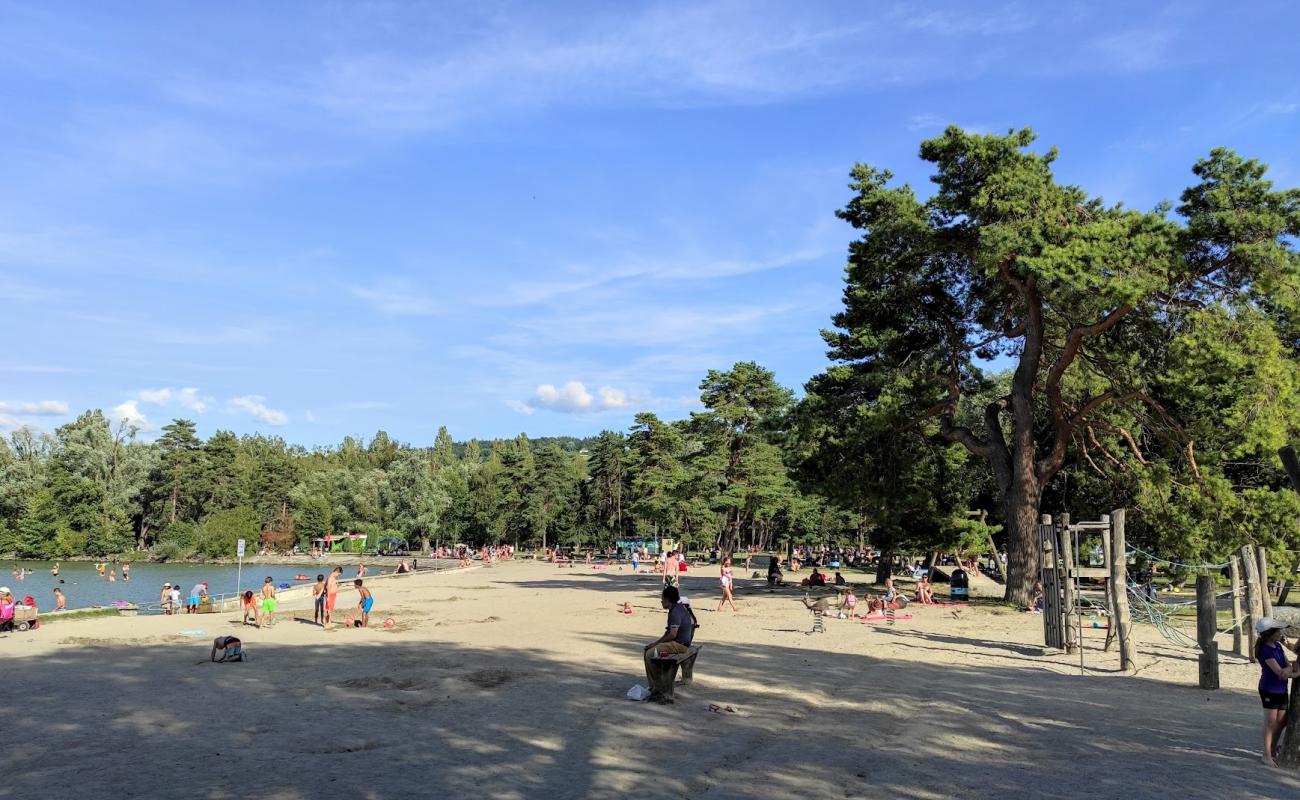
849, 602
250, 609
366, 603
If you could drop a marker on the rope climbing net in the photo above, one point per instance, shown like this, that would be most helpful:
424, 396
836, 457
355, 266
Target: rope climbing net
1169, 619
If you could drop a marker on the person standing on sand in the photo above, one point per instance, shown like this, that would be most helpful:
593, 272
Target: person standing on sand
726, 580
331, 594
268, 601
670, 569
318, 600
1270, 652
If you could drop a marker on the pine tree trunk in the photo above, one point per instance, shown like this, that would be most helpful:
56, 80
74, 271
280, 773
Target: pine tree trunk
1020, 510
885, 567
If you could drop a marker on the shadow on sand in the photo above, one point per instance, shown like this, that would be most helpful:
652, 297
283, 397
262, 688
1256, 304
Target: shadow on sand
383, 719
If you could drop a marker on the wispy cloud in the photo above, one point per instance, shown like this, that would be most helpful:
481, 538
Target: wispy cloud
255, 405
40, 408
187, 398
16, 291
397, 297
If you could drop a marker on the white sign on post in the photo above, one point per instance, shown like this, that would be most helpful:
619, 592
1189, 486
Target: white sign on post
239, 573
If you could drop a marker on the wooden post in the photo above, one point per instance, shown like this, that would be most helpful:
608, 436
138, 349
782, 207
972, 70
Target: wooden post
1107, 556
1050, 574
1251, 566
1110, 593
1264, 593
1206, 628
1070, 607
1120, 618
1234, 573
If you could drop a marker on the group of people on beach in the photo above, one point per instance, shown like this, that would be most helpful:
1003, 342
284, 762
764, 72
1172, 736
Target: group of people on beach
325, 596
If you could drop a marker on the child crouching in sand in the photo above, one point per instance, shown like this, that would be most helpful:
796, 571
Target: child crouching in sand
364, 605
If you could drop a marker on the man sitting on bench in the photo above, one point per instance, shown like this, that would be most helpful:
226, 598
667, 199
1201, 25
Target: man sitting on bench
677, 636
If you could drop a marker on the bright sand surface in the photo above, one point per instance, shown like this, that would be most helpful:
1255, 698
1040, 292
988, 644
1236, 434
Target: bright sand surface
508, 682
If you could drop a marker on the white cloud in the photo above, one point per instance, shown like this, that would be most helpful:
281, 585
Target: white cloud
572, 398
613, 398
42, 408
522, 408
185, 398
256, 406
310, 416
129, 412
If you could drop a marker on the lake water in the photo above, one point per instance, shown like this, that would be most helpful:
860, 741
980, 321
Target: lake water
84, 588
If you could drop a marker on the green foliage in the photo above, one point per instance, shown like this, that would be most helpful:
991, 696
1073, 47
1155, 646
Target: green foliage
219, 533
1137, 339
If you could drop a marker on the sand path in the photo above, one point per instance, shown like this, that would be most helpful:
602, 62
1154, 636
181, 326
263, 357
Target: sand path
508, 682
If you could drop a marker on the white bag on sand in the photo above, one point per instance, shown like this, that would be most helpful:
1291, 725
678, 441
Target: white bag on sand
638, 692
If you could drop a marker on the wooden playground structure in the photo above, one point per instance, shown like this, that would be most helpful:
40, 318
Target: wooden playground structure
1060, 572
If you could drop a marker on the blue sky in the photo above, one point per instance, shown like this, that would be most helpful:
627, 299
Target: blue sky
318, 219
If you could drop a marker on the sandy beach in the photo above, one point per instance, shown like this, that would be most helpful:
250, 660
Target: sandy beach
508, 681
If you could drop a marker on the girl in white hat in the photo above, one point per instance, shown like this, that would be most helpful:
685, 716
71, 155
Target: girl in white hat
1274, 675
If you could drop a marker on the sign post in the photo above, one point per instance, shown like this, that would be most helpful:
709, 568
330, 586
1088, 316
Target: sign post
239, 573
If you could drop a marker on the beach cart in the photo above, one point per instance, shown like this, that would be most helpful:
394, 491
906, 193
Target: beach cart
26, 618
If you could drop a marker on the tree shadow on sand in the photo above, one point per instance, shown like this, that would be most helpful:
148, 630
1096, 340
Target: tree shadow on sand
380, 718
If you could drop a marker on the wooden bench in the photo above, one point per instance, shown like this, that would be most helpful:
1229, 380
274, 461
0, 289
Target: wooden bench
663, 673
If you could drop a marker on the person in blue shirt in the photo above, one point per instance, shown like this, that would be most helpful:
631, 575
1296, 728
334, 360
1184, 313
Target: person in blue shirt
677, 635
1270, 652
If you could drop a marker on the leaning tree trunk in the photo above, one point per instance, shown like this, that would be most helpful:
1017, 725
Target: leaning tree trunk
1020, 508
